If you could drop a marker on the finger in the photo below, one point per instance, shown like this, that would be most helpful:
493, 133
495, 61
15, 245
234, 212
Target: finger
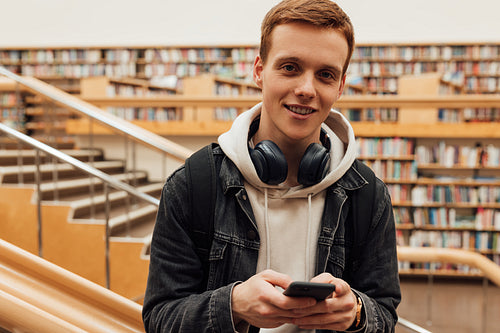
323, 278
330, 321
342, 288
337, 304
276, 278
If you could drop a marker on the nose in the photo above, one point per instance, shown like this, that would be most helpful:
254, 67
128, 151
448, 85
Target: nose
305, 86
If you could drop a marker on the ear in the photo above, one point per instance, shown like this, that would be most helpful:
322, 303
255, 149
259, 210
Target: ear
342, 85
258, 66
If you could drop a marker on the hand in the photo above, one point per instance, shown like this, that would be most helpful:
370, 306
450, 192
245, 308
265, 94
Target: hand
260, 304
336, 313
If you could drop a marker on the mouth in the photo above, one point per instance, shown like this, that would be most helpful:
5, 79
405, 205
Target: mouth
302, 110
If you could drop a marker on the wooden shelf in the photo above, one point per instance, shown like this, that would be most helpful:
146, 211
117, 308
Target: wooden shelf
177, 128
388, 158
455, 167
440, 273
442, 130
490, 205
456, 182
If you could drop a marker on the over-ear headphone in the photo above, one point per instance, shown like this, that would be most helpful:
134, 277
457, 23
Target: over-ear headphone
272, 167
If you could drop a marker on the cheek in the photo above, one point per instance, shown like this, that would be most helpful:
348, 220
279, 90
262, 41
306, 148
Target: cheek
274, 90
330, 96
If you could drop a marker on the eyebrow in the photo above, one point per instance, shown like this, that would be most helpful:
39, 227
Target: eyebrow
337, 71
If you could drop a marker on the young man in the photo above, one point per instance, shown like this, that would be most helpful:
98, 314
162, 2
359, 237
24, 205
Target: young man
285, 203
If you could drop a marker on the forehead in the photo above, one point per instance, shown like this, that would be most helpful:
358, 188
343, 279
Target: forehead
304, 40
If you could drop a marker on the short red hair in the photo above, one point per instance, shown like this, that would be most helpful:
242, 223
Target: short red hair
320, 13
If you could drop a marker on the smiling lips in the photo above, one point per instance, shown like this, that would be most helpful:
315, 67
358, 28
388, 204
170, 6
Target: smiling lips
300, 109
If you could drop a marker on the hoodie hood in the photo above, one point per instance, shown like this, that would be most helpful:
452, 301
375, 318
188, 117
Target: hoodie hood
234, 143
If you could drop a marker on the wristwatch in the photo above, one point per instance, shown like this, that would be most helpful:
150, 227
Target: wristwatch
358, 311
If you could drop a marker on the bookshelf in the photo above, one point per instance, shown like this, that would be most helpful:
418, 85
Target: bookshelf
445, 193
444, 179
104, 87
418, 151
376, 66
211, 85
379, 66
50, 63
12, 106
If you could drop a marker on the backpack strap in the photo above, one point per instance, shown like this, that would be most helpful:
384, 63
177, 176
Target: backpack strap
201, 186
362, 201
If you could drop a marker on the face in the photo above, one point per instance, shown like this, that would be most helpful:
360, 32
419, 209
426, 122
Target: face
300, 81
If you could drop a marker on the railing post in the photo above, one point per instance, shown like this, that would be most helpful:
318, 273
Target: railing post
107, 233
91, 162
50, 121
134, 164
19, 145
38, 178
129, 181
20, 163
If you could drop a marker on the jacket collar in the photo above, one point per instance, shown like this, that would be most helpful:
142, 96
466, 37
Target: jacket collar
352, 179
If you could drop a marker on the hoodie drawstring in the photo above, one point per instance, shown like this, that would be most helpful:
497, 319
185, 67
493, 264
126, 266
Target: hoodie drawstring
308, 236
266, 221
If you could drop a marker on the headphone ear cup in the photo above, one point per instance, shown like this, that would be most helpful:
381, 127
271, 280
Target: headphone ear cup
314, 165
269, 162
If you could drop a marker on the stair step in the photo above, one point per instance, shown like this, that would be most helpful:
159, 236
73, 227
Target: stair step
141, 231
73, 189
60, 142
82, 207
136, 221
10, 174
11, 156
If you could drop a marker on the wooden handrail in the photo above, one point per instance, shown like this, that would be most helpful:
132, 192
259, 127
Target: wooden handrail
455, 256
38, 296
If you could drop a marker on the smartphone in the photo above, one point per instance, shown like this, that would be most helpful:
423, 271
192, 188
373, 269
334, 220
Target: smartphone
319, 291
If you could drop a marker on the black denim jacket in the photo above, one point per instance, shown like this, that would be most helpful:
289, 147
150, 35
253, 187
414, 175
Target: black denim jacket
177, 301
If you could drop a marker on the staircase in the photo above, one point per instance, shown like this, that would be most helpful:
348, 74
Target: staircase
70, 223
73, 215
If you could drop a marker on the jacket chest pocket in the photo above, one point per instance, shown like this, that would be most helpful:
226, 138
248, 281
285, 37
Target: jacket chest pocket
230, 261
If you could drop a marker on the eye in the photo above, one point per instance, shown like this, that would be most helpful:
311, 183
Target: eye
325, 75
288, 68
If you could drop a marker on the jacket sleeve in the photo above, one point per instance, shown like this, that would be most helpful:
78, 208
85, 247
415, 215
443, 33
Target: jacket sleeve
174, 300
376, 280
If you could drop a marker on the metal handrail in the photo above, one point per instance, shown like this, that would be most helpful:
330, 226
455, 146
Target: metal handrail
87, 169
104, 118
411, 326
78, 164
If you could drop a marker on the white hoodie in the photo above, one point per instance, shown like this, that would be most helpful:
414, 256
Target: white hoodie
288, 218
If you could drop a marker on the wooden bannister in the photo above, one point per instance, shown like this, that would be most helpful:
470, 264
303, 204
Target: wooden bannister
38, 296
454, 256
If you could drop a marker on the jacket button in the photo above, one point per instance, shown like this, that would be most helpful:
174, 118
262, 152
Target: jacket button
251, 235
